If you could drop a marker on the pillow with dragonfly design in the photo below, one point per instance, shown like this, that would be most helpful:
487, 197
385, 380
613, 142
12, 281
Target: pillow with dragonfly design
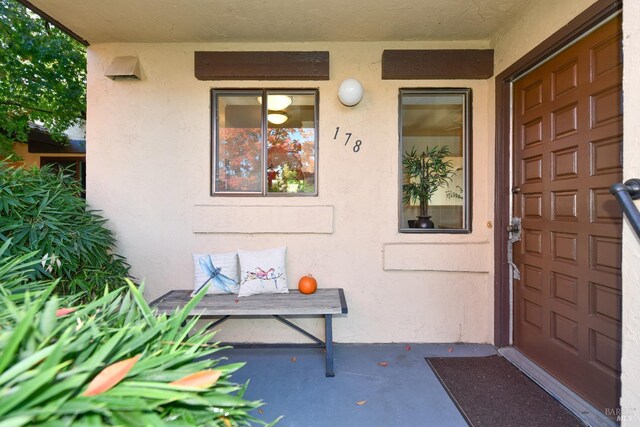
263, 272
219, 271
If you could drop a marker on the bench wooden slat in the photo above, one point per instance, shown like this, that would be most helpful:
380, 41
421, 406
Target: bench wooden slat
322, 302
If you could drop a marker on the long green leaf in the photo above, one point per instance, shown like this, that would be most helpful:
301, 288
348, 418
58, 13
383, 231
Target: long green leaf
59, 392
82, 406
16, 337
137, 418
48, 316
181, 315
25, 364
103, 352
18, 421
28, 389
142, 303
140, 341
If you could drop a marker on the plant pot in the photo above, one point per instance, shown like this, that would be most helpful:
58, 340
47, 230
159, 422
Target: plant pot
423, 222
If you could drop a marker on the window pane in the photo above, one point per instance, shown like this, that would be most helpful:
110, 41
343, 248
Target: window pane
238, 156
291, 138
434, 160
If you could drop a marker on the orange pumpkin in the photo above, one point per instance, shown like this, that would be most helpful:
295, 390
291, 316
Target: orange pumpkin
307, 284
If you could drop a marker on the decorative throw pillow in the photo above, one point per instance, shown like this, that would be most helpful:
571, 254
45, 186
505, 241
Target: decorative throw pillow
219, 271
263, 272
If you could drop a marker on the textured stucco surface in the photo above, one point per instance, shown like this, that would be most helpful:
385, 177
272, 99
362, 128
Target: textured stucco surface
148, 163
536, 21
281, 20
630, 242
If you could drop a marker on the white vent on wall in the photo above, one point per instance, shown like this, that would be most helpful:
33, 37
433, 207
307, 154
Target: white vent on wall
124, 68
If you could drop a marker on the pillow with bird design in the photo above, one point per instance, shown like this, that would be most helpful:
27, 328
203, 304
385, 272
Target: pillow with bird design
218, 271
263, 272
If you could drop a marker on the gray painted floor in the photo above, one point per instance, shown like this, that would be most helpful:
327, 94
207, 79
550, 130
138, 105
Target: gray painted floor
292, 383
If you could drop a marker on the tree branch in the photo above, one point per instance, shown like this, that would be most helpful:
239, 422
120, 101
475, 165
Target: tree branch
17, 104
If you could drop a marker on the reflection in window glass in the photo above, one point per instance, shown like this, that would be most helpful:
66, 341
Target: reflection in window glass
239, 147
247, 162
291, 147
434, 160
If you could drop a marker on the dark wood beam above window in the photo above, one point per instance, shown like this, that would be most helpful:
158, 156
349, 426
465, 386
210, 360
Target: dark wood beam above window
262, 65
437, 64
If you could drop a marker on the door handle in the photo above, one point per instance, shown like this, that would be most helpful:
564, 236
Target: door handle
515, 229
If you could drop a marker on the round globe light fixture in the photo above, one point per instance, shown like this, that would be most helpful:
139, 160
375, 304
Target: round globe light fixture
350, 92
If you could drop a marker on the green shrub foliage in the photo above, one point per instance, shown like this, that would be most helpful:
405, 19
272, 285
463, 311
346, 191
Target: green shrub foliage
41, 211
49, 358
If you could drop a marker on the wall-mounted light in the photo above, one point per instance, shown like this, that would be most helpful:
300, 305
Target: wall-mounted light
350, 92
124, 68
277, 102
278, 117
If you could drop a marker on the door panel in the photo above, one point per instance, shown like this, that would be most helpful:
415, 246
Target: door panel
567, 152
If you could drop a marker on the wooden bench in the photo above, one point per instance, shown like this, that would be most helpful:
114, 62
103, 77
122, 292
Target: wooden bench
324, 302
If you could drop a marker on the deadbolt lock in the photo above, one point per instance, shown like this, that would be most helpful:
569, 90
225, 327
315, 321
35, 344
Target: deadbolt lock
514, 227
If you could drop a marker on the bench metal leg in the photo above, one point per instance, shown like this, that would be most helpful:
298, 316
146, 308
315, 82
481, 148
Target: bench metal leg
329, 344
299, 329
217, 322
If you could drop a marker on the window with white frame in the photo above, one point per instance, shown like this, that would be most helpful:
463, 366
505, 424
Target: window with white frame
264, 142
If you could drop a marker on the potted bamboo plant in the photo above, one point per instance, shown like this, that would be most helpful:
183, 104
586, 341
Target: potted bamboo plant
425, 173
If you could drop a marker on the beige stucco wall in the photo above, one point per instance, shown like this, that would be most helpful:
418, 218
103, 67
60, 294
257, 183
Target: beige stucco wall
148, 164
537, 20
631, 243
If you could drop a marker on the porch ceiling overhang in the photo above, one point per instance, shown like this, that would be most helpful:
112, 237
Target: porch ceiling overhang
167, 21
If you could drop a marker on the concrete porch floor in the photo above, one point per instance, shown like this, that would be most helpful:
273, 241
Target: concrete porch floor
405, 392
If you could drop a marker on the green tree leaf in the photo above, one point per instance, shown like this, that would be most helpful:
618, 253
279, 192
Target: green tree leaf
42, 78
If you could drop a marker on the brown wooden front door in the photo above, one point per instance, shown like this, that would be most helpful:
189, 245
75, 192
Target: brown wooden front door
567, 152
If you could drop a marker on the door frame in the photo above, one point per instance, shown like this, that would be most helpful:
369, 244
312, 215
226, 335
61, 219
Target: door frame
581, 24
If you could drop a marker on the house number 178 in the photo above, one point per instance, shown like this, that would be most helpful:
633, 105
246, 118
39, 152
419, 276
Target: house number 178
356, 145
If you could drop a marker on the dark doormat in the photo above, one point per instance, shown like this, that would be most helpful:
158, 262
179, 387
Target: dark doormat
491, 392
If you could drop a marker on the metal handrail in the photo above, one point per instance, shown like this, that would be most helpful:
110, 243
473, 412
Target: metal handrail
626, 193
